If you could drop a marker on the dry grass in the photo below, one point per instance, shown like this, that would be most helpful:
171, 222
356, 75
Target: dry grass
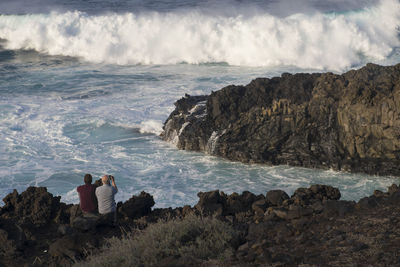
186, 242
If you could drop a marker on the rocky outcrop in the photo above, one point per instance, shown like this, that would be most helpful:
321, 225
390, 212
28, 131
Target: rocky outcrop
37, 229
137, 206
347, 122
313, 227
310, 227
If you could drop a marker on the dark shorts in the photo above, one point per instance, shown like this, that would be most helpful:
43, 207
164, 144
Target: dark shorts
109, 218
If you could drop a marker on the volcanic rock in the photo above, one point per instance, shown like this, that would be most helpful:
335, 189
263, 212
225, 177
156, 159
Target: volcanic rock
347, 122
35, 206
313, 227
137, 206
276, 197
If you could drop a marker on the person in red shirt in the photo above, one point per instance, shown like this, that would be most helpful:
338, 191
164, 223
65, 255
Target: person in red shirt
87, 197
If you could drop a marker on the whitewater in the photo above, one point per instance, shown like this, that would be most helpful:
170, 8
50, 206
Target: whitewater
86, 86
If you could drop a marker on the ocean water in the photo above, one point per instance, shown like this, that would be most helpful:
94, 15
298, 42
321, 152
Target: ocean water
85, 86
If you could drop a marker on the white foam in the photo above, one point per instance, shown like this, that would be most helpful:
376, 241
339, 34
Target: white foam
151, 126
183, 128
71, 196
212, 142
317, 40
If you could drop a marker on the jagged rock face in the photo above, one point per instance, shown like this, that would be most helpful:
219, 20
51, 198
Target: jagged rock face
190, 111
35, 207
345, 122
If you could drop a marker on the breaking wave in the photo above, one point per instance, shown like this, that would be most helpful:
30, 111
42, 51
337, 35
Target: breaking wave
332, 41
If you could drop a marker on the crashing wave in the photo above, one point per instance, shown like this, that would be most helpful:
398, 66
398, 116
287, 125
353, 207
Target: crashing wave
319, 41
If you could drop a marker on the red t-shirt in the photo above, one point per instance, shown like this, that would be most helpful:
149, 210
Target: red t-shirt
87, 197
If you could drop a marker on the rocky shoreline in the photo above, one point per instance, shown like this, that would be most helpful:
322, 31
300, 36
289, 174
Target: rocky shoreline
313, 227
348, 122
345, 122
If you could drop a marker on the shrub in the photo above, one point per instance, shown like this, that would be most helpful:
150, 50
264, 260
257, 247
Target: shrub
189, 240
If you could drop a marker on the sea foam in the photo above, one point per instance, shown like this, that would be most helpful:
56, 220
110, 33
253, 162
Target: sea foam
328, 41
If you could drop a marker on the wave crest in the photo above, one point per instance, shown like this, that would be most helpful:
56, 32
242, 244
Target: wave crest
319, 41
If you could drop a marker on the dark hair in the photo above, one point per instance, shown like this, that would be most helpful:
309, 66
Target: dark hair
87, 179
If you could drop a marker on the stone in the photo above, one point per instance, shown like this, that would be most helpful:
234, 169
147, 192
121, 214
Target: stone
210, 202
35, 206
367, 203
394, 198
137, 206
393, 188
317, 207
236, 203
315, 193
378, 193
187, 210
296, 212
276, 197
281, 213
259, 206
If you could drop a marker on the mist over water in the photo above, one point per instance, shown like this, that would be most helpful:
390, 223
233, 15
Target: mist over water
85, 86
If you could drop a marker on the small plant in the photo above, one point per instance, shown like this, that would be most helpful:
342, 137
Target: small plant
189, 240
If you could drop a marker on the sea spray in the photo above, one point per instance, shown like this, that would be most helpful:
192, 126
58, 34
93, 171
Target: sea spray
332, 41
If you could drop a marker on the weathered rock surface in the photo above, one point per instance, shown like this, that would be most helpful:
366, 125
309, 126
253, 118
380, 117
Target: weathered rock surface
37, 229
312, 227
137, 206
345, 122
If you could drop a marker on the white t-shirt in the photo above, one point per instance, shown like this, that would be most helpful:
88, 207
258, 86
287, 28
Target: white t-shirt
105, 198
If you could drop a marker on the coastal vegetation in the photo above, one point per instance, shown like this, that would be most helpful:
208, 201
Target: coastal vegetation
174, 242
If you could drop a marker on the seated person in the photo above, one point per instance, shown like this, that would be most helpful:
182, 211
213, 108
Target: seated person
105, 197
87, 197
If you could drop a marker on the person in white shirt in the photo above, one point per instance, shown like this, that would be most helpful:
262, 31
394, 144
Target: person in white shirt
106, 197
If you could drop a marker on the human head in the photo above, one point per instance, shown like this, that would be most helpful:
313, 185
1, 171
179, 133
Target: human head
105, 179
87, 179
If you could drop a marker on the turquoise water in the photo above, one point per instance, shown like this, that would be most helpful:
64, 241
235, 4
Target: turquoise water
85, 88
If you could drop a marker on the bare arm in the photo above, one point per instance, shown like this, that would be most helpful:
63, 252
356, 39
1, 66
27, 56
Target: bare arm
113, 183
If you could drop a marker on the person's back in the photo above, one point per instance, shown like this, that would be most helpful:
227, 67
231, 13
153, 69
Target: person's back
87, 198
105, 196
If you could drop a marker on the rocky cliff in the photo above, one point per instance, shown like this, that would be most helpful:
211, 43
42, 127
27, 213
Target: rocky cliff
347, 122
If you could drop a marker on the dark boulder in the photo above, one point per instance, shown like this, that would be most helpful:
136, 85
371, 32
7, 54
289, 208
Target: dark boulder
210, 202
315, 193
236, 203
260, 206
367, 203
137, 206
276, 197
216, 202
393, 189
394, 198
